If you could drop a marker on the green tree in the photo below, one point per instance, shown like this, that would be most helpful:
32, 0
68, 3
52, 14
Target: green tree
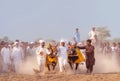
116, 40
5, 38
103, 33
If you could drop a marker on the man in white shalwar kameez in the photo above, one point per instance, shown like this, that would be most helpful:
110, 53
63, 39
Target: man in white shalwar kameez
31, 50
6, 56
41, 55
17, 56
93, 35
62, 56
114, 49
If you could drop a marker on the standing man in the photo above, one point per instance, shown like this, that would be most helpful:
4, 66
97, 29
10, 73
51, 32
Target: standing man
17, 56
76, 37
41, 55
90, 59
114, 48
93, 35
31, 50
6, 56
62, 55
118, 53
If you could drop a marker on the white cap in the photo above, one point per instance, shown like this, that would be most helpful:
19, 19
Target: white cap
31, 42
62, 41
41, 41
15, 43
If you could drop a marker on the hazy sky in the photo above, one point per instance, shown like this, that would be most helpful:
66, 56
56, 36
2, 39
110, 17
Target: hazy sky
31, 19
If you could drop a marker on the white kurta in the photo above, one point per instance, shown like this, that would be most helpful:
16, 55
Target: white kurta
6, 56
41, 58
17, 56
30, 51
62, 57
92, 34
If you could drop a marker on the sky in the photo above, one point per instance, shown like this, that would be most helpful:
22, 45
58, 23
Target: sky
29, 20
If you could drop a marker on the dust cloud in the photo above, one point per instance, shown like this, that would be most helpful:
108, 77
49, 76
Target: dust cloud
106, 64
28, 65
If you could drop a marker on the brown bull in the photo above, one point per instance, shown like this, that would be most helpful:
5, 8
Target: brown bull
51, 58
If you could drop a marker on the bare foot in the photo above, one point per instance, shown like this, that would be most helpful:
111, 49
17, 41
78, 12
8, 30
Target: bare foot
36, 71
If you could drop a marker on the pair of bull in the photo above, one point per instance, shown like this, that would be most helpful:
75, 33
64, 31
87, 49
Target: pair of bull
74, 57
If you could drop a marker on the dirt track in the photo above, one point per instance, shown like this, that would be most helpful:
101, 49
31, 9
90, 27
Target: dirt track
61, 77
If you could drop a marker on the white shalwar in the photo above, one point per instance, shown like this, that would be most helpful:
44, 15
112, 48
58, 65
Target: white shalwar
6, 56
17, 56
41, 58
62, 57
114, 56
